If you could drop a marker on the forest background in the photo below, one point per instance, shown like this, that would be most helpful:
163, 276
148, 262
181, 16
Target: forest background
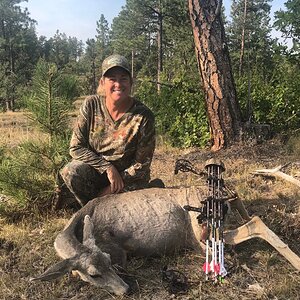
44, 76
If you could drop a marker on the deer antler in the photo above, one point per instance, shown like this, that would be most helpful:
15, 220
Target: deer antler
257, 228
277, 173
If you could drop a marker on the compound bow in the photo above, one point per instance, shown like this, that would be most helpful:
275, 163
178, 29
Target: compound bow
211, 215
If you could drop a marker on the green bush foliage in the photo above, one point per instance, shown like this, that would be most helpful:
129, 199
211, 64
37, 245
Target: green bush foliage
179, 111
28, 173
275, 101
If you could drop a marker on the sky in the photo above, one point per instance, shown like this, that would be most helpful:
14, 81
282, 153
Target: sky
77, 18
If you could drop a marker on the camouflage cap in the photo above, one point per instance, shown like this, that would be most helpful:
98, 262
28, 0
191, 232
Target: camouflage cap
115, 60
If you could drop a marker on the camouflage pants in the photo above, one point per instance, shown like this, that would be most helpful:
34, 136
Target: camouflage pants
83, 181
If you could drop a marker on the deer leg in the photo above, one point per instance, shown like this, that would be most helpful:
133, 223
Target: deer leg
256, 228
237, 204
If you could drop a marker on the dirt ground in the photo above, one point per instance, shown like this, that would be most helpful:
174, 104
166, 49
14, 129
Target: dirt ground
256, 270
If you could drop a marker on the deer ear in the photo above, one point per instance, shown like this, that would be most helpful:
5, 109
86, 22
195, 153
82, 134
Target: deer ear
57, 270
88, 235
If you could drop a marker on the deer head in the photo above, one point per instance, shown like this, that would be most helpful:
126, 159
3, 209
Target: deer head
93, 265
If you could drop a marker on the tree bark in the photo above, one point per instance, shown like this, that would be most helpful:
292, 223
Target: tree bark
223, 109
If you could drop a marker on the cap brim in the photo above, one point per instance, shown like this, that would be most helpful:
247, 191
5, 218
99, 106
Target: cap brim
122, 67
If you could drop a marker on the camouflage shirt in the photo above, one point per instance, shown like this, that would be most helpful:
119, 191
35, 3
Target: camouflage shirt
127, 143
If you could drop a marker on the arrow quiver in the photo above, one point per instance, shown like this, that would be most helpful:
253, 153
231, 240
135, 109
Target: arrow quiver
211, 217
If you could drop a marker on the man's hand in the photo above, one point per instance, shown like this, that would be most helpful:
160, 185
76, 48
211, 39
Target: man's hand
115, 179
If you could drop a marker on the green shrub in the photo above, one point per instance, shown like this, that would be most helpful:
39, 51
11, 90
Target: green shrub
28, 173
275, 101
179, 110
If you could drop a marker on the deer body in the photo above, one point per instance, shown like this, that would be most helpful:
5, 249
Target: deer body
139, 223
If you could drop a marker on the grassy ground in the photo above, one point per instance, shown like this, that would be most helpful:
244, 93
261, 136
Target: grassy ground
14, 128
257, 271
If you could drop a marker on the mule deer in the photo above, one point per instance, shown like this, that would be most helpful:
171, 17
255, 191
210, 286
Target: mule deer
141, 223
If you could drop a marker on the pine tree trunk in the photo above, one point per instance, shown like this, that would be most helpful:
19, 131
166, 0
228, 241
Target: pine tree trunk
215, 69
242, 51
8, 105
159, 47
94, 85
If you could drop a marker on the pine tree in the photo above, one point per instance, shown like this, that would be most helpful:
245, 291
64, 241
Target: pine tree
223, 108
90, 66
18, 55
28, 173
288, 23
49, 103
153, 34
103, 48
250, 42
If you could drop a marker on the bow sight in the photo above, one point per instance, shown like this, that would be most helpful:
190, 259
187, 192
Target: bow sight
211, 216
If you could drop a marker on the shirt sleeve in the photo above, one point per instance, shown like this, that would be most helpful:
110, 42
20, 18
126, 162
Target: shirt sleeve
79, 147
140, 168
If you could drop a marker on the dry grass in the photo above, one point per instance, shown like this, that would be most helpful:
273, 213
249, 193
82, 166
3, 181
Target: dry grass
15, 128
257, 271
